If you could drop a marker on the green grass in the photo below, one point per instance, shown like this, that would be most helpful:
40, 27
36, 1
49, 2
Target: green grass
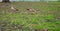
47, 19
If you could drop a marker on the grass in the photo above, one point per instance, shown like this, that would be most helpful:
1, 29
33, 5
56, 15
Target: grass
47, 19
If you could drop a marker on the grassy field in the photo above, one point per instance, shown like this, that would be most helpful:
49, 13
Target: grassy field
46, 19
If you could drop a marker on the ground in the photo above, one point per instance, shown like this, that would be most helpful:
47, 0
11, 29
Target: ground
46, 18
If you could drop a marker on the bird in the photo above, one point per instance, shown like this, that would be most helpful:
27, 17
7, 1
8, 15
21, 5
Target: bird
31, 10
13, 9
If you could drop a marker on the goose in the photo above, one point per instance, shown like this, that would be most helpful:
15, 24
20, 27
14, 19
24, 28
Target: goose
31, 10
14, 9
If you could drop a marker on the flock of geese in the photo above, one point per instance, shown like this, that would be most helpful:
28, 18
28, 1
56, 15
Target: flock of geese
31, 10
